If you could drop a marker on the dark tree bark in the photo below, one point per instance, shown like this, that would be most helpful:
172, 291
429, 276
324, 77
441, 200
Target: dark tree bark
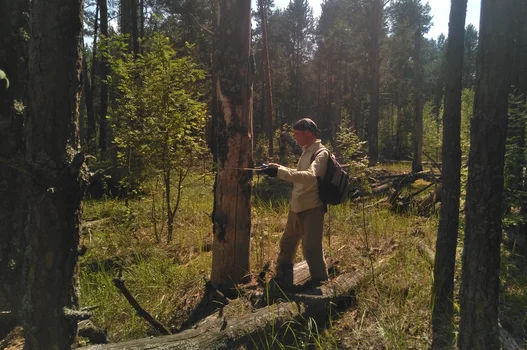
233, 71
13, 61
269, 90
104, 71
445, 258
375, 65
54, 192
135, 26
126, 21
483, 231
417, 162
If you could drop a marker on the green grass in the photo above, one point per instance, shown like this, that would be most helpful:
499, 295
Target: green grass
168, 278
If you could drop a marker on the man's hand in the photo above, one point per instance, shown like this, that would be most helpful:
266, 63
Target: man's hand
271, 170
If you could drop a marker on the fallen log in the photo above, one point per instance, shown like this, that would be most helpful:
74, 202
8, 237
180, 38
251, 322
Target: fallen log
301, 275
223, 333
425, 206
218, 333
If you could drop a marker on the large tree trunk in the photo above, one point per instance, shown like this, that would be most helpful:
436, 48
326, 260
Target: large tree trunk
481, 254
232, 189
53, 194
417, 163
373, 121
446, 243
104, 71
13, 61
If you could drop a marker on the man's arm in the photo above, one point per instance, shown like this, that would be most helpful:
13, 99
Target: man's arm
317, 168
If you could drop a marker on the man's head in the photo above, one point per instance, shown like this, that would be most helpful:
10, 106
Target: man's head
306, 131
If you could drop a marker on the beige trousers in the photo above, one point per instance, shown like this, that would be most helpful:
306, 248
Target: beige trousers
307, 226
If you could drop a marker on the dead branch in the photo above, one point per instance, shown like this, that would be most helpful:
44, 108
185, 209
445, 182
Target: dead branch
119, 283
433, 162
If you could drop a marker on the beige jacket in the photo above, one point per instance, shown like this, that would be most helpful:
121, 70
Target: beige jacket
304, 178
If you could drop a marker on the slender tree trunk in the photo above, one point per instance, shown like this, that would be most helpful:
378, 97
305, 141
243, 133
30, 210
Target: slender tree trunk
142, 30
126, 21
267, 72
481, 254
88, 93
319, 85
398, 127
417, 162
92, 124
170, 219
54, 194
13, 57
135, 29
373, 121
104, 71
232, 189
445, 257
338, 114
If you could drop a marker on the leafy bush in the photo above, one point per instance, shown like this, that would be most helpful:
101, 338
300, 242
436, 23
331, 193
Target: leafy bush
159, 117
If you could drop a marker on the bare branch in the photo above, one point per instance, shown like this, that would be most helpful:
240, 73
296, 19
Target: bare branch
201, 26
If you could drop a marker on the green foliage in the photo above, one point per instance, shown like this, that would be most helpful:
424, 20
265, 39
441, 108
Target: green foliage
432, 131
354, 155
159, 117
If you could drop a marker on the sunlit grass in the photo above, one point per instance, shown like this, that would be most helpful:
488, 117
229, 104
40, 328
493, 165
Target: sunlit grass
168, 279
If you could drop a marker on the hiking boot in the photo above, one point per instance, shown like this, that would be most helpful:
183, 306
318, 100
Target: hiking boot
284, 277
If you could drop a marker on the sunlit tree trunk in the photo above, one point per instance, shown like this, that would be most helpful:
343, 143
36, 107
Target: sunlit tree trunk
479, 294
233, 71
54, 192
445, 258
417, 162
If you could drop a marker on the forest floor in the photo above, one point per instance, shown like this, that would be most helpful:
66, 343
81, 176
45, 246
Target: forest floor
128, 239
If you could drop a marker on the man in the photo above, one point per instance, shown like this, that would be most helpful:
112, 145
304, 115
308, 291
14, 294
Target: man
306, 215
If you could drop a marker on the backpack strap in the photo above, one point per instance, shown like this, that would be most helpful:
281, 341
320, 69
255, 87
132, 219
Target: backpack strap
317, 152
